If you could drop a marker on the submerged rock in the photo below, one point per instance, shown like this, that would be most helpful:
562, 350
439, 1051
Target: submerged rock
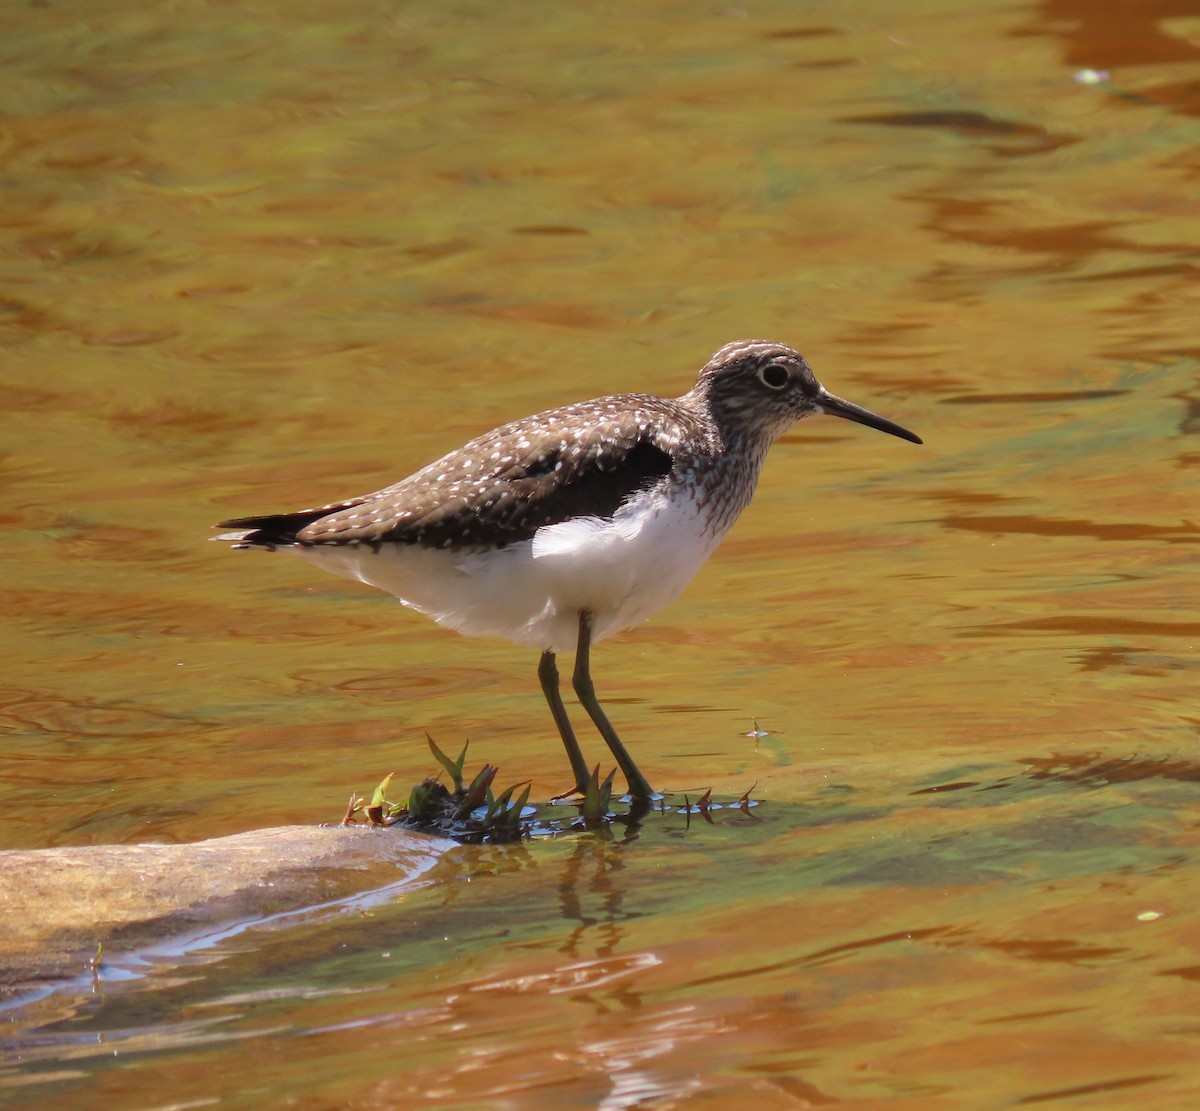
62, 908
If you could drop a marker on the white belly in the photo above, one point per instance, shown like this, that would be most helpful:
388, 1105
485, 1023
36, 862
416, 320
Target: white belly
621, 570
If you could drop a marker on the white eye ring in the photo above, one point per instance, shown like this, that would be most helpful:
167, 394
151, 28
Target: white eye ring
774, 376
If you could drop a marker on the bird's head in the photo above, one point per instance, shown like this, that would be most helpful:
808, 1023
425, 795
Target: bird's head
759, 389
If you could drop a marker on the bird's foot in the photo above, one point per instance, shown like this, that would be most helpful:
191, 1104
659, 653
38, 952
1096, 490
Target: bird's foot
574, 794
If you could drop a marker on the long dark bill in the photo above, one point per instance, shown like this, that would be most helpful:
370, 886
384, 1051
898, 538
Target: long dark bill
839, 407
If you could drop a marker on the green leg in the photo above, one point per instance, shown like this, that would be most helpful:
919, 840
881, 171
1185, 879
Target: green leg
548, 674
638, 787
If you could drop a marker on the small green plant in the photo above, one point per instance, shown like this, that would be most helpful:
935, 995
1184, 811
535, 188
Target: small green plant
505, 812
453, 767
597, 798
427, 801
476, 795
469, 812
474, 812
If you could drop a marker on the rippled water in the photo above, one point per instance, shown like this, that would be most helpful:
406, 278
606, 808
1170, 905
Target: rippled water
255, 258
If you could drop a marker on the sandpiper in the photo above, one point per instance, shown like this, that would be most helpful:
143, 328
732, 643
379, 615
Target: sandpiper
565, 527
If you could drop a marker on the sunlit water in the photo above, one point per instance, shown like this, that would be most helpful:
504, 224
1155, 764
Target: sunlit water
255, 258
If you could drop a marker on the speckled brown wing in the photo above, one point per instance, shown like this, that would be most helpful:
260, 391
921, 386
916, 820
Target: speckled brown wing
580, 460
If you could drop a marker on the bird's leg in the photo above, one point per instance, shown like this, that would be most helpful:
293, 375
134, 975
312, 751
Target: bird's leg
548, 674
638, 787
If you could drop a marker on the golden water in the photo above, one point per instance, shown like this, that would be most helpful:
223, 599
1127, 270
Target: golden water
259, 256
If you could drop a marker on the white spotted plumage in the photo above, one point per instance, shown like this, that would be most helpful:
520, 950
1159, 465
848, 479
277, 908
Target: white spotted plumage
621, 569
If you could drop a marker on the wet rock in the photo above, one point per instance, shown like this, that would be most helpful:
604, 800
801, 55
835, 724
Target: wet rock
60, 907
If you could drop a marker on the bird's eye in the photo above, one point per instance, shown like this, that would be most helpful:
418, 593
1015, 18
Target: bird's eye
774, 376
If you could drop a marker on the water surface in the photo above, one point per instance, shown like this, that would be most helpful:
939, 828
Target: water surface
255, 258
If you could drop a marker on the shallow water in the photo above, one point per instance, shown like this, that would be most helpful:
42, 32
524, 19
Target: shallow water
255, 258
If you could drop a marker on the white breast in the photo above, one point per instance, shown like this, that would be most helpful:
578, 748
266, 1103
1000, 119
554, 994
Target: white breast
622, 570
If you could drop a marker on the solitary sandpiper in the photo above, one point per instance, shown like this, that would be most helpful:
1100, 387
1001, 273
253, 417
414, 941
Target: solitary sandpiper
568, 526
